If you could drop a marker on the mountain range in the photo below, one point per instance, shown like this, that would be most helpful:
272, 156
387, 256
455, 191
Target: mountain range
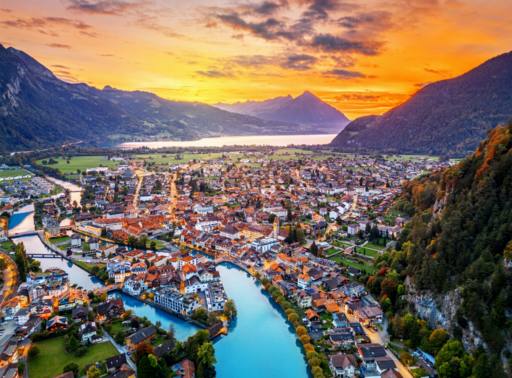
449, 117
306, 109
37, 109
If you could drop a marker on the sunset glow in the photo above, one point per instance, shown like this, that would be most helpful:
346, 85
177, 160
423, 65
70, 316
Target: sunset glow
362, 57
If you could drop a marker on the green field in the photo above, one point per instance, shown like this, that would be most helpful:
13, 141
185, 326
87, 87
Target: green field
354, 264
82, 163
11, 173
161, 159
53, 357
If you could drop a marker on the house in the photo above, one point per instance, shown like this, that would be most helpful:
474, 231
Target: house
79, 313
57, 323
115, 363
88, 332
340, 320
184, 369
9, 371
141, 336
111, 309
343, 365
311, 315
76, 241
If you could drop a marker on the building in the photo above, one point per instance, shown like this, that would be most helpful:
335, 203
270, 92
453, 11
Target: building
343, 365
141, 336
263, 245
176, 302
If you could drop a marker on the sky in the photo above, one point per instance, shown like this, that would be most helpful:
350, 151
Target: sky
363, 57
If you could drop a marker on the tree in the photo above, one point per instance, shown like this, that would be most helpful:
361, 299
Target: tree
436, 340
314, 249
200, 315
20, 258
93, 372
206, 360
33, 352
71, 367
230, 309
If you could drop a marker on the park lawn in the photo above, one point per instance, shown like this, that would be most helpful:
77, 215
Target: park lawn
374, 246
7, 245
52, 357
185, 157
87, 266
354, 264
61, 239
289, 154
367, 252
331, 251
341, 243
80, 162
8, 173
159, 244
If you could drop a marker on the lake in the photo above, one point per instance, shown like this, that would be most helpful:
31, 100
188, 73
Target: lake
252, 140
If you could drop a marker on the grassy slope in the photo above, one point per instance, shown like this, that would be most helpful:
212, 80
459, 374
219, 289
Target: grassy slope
53, 357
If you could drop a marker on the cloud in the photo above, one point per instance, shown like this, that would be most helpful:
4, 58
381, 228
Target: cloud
299, 62
59, 45
345, 74
103, 7
42, 24
374, 20
268, 29
214, 74
332, 43
151, 23
266, 8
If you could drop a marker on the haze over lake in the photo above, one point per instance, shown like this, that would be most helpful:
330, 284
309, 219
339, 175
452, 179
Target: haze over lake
252, 140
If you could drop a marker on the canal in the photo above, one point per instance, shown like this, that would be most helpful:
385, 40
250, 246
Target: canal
260, 343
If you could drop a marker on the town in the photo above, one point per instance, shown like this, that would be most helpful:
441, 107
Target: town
306, 225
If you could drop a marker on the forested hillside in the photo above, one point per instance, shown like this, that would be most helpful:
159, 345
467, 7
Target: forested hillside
457, 250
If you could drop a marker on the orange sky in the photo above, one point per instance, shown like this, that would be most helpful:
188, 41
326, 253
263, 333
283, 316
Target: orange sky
361, 56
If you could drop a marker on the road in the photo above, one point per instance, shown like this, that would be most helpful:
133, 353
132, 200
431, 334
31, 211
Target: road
382, 338
121, 349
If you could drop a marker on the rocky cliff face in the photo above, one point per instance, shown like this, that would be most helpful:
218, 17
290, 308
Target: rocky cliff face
442, 311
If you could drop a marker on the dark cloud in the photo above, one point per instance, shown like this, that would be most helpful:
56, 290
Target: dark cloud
345, 74
375, 20
266, 8
299, 62
268, 29
436, 71
214, 74
105, 7
59, 45
332, 43
253, 60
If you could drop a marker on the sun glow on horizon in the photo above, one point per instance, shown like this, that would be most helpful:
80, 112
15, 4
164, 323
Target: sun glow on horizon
362, 58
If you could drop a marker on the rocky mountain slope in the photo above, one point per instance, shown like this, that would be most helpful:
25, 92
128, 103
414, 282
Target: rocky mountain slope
449, 117
306, 109
37, 109
458, 245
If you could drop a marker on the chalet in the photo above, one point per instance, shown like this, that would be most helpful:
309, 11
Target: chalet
111, 309
343, 365
57, 323
141, 336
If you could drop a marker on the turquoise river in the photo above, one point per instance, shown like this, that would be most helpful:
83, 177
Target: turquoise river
260, 343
